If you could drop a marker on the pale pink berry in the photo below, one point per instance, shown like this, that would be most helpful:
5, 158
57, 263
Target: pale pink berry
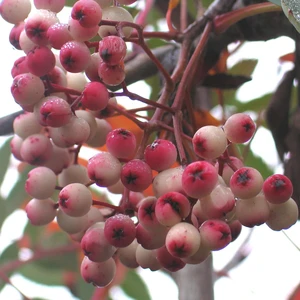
94, 244
215, 234
160, 155
15, 11
36, 149
87, 12
52, 5
171, 208
80, 33
90, 119
100, 274
40, 183
74, 56
246, 182
168, 261
199, 178
26, 124
209, 142
121, 143
200, 256
70, 224
239, 128
75, 199
183, 240
104, 169
235, 228
119, 230
127, 255
147, 259
115, 13
15, 147
91, 70
112, 50
252, 212
136, 175
40, 60
169, 180
40, 212
220, 201
283, 216
111, 75
277, 188
95, 96
101, 132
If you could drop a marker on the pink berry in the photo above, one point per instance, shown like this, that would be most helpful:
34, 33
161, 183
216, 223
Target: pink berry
136, 175
171, 208
111, 75
246, 182
95, 96
87, 12
215, 234
112, 50
100, 274
209, 142
94, 244
239, 128
119, 230
19, 67
80, 33
55, 112
183, 240
121, 143
160, 155
13, 11
40, 60
74, 56
199, 178
277, 188
58, 34
168, 261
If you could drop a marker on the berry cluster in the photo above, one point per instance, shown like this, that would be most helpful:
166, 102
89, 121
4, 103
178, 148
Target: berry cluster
196, 207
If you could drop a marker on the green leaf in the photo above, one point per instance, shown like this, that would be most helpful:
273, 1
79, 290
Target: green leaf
38, 274
256, 105
244, 67
5, 154
3, 213
10, 253
83, 290
291, 9
277, 2
206, 3
135, 287
70, 2
18, 194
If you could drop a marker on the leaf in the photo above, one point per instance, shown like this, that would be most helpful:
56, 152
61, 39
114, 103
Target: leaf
277, 2
244, 67
255, 105
18, 194
5, 154
135, 287
3, 213
36, 273
291, 9
83, 290
70, 2
225, 81
10, 253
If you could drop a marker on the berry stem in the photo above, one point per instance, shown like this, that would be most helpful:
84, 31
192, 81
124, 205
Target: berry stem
105, 204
